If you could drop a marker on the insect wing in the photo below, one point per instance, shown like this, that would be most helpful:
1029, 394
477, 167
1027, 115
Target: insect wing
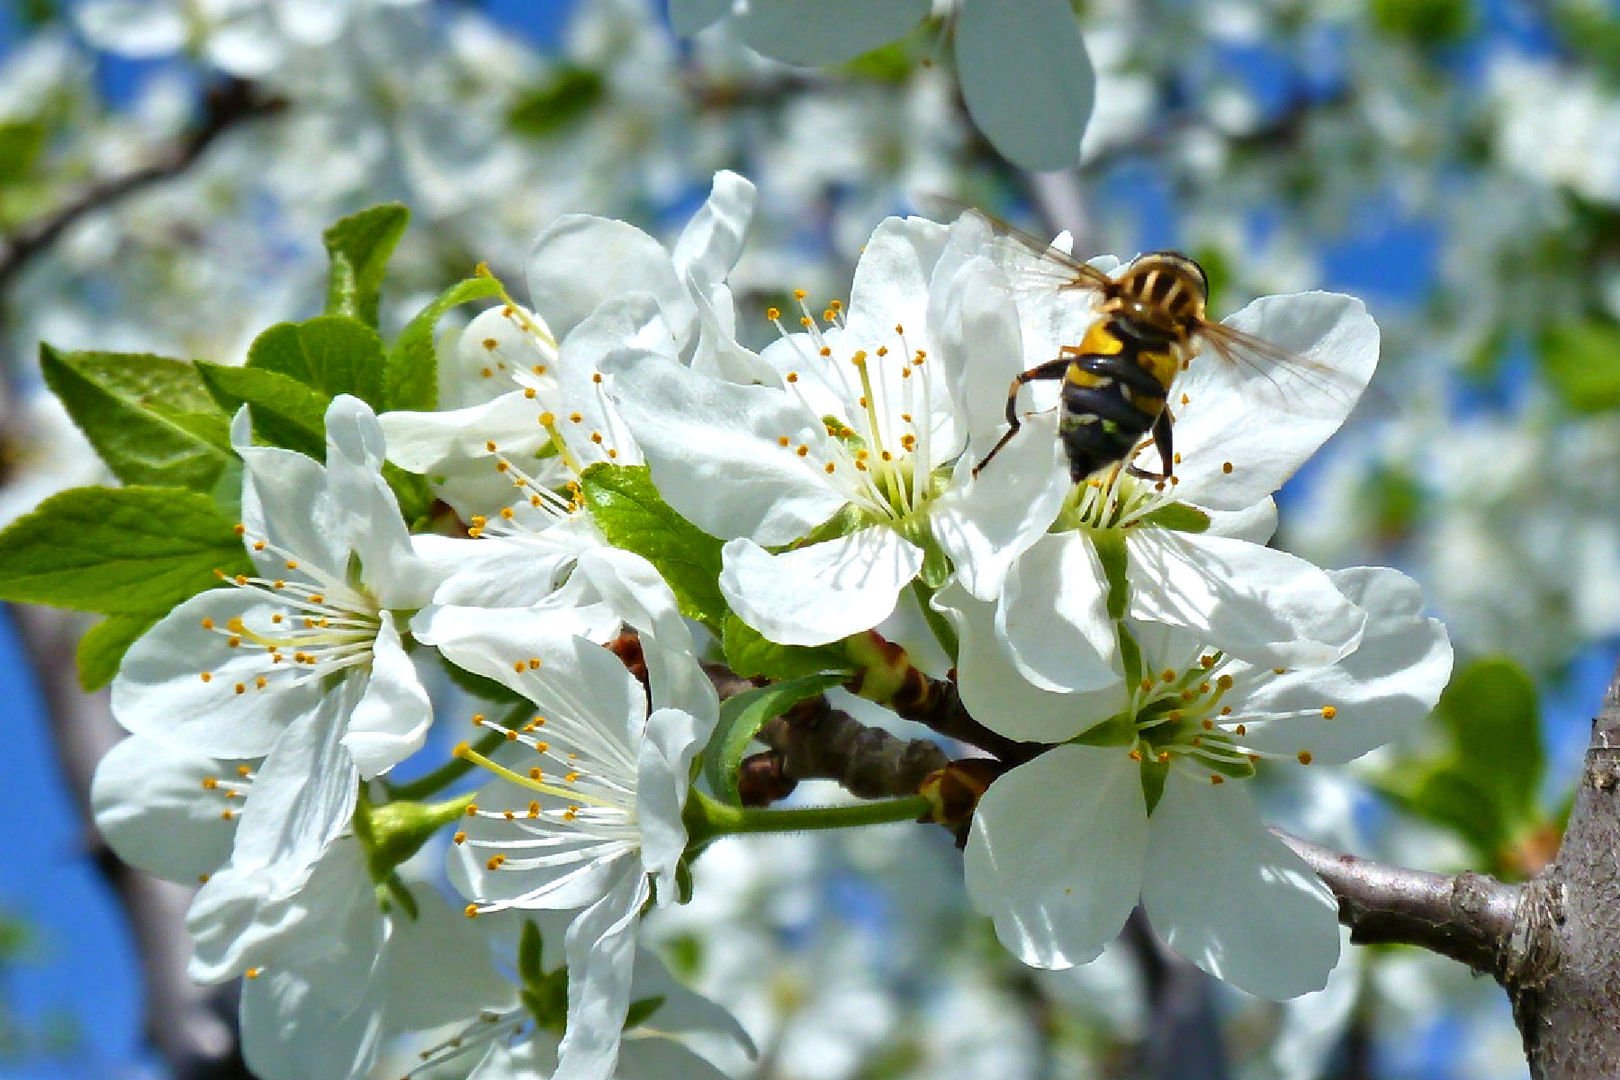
1295, 382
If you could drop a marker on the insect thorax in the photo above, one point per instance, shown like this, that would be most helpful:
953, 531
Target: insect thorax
1163, 291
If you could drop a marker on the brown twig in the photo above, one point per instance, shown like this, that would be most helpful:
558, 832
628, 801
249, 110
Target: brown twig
816, 741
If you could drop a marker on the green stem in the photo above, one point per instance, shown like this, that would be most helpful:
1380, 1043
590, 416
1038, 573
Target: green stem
451, 771
707, 818
944, 632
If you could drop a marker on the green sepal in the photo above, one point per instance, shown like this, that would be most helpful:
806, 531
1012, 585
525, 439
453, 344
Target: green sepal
357, 249
391, 892
394, 831
842, 523
411, 371
531, 952
1154, 774
566, 96
641, 1010
285, 412
751, 655
332, 353
741, 718
936, 565
1177, 516
1110, 544
632, 515
1238, 770
1117, 730
1130, 655
150, 418
118, 551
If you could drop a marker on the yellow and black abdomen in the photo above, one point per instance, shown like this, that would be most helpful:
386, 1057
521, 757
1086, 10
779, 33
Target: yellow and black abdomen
1114, 392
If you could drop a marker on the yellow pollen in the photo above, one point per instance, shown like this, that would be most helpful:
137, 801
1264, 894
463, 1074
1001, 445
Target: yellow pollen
547, 419
1135, 755
792, 376
244, 771
1216, 778
241, 688
495, 862
206, 676
534, 774
539, 369
783, 441
1147, 684
1329, 712
1304, 757
1226, 467
1224, 682
826, 350
829, 467
806, 321
1279, 671
1226, 710
883, 350
1164, 757
208, 624
534, 809
459, 838
803, 450
596, 377
472, 810
575, 418
836, 305
773, 313
261, 682
259, 545
277, 618
571, 813
490, 446
799, 294
227, 814
471, 911
487, 373
534, 663
252, 973
210, 783
1176, 458
511, 736
1241, 730
571, 777
1207, 724
1168, 675
238, 529
596, 437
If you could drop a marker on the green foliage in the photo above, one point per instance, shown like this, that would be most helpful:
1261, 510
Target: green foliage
331, 353
285, 412
411, 372
749, 654
566, 96
742, 716
1592, 32
118, 551
103, 646
1425, 23
632, 515
1484, 782
357, 249
150, 418
1582, 363
21, 143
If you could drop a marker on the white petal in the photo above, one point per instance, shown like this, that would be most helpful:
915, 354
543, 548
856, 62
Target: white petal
391, 721
579, 261
690, 16
159, 692
1230, 897
601, 948
821, 592
650, 1057
975, 325
713, 239
1266, 419
663, 770
499, 345
1260, 605
1055, 853
892, 277
1384, 688
715, 452
132, 27
1054, 616
984, 524
439, 948
1257, 524
365, 515
683, 1012
505, 571
426, 442
285, 500
826, 31
997, 694
1034, 122
151, 806
534, 1056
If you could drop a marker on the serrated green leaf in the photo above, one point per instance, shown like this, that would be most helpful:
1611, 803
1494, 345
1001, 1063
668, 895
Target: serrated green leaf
285, 412
332, 354
632, 515
118, 551
1494, 715
749, 654
1177, 516
103, 646
411, 374
1581, 361
357, 249
741, 717
150, 418
564, 97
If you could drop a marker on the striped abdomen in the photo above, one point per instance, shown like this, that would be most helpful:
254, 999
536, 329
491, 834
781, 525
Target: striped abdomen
1114, 391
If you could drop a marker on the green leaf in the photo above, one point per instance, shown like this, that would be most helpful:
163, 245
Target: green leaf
566, 96
119, 551
1425, 23
1177, 516
332, 354
285, 412
741, 717
1581, 361
1453, 800
749, 654
150, 418
103, 646
1493, 712
632, 515
358, 248
1110, 545
21, 143
411, 372
641, 1010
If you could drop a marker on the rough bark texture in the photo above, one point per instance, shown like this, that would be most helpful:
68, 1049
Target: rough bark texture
1563, 973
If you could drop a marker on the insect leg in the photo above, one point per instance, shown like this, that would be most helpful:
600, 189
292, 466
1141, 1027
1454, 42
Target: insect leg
1162, 440
1052, 369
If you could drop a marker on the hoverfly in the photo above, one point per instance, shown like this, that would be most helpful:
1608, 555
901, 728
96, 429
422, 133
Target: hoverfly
1152, 321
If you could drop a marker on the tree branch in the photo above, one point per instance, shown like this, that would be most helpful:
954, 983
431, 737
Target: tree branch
1468, 917
225, 106
816, 741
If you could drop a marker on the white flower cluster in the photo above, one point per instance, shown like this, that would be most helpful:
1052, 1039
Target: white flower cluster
1138, 637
